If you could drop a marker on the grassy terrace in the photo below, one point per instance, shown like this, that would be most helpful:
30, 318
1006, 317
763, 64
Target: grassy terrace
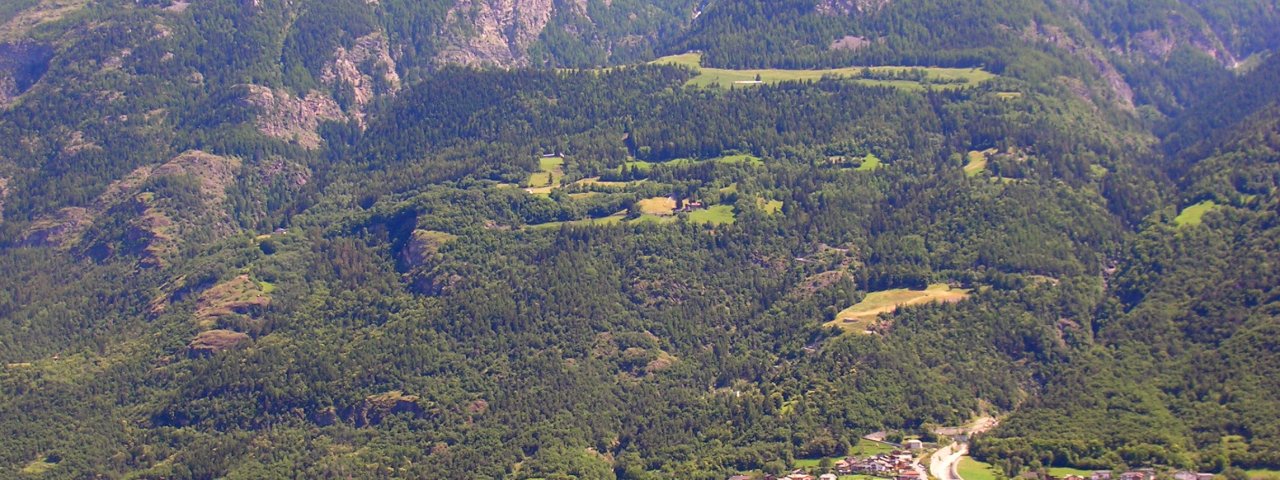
724, 77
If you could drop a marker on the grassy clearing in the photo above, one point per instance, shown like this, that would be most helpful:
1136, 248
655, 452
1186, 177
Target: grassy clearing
867, 448
596, 181
810, 463
864, 448
740, 158
715, 215
662, 206
970, 469
1193, 215
645, 166
609, 220
1098, 171
861, 316
977, 163
658, 219
38, 466
1262, 474
1060, 472
869, 163
549, 176
1008, 95
690, 59
1244, 66
723, 77
769, 206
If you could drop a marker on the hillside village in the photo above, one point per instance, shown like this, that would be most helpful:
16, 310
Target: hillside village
901, 464
898, 464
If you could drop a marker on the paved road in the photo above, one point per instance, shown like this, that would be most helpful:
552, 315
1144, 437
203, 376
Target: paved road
944, 461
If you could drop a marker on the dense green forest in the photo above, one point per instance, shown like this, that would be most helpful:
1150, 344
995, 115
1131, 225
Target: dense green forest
334, 238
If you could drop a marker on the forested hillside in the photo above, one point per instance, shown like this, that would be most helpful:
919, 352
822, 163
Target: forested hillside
486, 239
1188, 338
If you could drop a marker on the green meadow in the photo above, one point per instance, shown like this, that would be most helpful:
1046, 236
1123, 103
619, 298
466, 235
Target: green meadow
714, 215
724, 77
970, 469
1194, 214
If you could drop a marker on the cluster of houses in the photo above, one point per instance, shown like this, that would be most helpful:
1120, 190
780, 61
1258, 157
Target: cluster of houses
900, 465
897, 465
687, 206
1139, 474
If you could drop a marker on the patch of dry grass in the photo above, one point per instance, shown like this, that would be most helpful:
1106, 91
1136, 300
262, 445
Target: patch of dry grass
860, 317
235, 296
661, 206
977, 162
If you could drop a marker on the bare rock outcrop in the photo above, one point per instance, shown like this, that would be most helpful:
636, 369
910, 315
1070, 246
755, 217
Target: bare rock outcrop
421, 262
367, 68
215, 173
493, 32
850, 7
286, 117
210, 342
238, 296
155, 229
60, 229
423, 247
374, 408
849, 42
1118, 87
4, 194
1180, 31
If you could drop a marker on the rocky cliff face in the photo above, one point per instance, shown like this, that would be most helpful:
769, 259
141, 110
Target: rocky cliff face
287, 117
493, 32
156, 227
1119, 89
367, 69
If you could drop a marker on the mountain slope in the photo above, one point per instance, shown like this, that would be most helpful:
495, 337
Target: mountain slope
264, 239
